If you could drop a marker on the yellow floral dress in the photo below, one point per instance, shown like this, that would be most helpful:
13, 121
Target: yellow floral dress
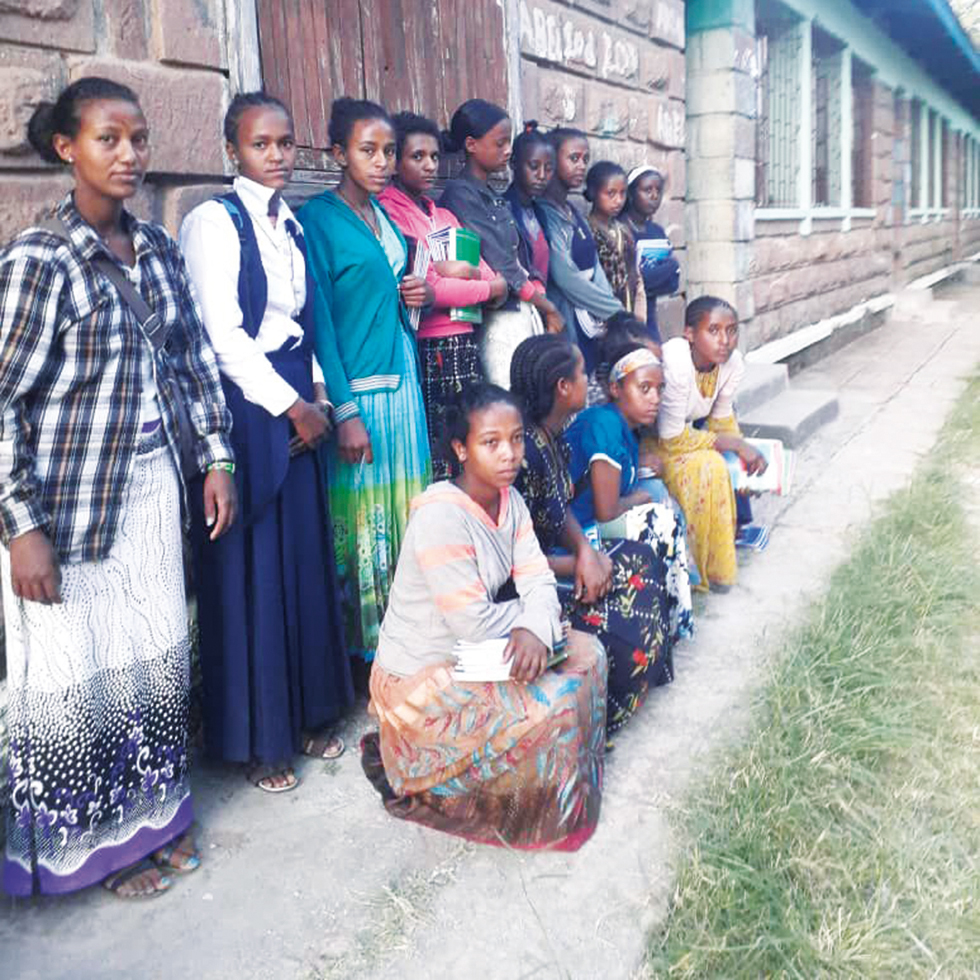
693, 470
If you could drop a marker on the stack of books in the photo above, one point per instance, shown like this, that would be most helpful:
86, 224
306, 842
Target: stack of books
780, 469
460, 245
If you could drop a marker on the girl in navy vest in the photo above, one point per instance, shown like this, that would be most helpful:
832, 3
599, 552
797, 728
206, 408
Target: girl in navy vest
276, 672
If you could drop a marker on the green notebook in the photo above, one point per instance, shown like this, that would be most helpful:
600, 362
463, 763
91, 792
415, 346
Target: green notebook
460, 245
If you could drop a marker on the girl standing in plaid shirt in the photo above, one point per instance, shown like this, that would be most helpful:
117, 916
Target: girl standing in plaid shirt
91, 493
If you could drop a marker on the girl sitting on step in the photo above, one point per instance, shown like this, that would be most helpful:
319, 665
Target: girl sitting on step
702, 372
617, 591
604, 462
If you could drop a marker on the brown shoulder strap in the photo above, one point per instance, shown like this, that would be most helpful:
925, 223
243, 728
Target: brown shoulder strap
148, 320
55, 225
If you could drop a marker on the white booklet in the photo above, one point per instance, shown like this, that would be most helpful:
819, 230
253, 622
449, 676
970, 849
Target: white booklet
483, 660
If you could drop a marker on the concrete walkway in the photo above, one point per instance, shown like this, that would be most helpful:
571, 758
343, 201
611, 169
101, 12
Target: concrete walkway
321, 883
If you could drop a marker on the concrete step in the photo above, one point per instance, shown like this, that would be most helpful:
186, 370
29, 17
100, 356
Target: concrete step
761, 382
792, 416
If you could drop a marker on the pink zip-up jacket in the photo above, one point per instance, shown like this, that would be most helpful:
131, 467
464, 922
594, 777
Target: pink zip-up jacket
406, 213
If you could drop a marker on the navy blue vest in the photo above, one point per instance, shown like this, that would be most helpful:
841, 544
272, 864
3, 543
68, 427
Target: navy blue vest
261, 440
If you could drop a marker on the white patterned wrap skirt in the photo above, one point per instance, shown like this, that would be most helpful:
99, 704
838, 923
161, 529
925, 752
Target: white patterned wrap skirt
98, 701
503, 330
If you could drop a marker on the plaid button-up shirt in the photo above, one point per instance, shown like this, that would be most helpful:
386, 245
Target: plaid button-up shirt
71, 352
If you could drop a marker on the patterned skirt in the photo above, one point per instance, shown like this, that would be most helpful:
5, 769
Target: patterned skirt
658, 527
369, 503
449, 366
497, 763
633, 623
98, 699
503, 330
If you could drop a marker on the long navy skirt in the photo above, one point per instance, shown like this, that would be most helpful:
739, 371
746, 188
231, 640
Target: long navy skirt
273, 656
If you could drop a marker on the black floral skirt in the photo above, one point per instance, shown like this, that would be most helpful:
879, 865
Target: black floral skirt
633, 623
449, 365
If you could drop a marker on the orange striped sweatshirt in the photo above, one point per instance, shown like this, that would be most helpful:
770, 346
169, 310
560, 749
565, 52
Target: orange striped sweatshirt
453, 561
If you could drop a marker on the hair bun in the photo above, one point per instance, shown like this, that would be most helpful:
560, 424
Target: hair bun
40, 132
531, 126
448, 143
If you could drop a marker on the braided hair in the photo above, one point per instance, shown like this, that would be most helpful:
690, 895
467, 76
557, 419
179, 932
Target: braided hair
537, 366
249, 100
531, 137
704, 306
473, 399
346, 112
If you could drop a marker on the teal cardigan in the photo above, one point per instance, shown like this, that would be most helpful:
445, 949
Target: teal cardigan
358, 313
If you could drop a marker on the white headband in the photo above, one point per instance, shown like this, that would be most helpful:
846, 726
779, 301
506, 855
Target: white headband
637, 172
633, 361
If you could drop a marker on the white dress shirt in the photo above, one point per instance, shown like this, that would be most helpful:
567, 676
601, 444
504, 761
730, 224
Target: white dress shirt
209, 241
681, 401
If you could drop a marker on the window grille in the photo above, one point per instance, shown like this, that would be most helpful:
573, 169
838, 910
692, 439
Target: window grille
862, 101
762, 128
946, 141
778, 105
916, 114
900, 157
826, 129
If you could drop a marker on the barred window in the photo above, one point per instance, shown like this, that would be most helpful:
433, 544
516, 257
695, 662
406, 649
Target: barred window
946, 142
900, 157
916, 113
778, 107
827, 122
862, 146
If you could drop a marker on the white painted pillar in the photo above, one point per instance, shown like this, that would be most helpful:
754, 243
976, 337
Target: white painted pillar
805, 155
846, 137
937, 161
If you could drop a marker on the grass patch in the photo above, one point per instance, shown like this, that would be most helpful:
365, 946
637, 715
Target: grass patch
842, 839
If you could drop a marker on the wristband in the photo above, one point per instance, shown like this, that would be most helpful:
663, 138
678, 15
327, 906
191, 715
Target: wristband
225, 465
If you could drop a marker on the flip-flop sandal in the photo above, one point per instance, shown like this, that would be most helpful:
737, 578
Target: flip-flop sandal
164, 857
324, 746
112, 883
259, 776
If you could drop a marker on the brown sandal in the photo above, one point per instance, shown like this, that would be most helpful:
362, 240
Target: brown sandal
119, 879
263, 777
323, 746
180, 856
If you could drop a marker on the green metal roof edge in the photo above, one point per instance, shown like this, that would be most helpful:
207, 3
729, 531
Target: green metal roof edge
956, 31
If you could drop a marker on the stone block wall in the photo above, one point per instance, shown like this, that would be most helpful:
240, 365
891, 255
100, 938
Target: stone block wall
783, 274
615, 69
171, 52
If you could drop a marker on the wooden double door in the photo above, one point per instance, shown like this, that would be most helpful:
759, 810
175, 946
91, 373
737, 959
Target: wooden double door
417, 55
